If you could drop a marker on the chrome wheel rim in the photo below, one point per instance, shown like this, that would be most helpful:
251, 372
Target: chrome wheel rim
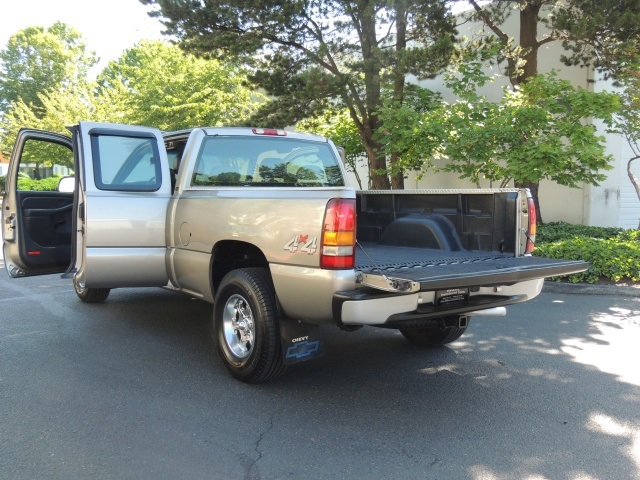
238, 326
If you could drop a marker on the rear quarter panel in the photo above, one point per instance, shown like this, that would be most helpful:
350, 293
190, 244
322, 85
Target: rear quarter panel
284, 223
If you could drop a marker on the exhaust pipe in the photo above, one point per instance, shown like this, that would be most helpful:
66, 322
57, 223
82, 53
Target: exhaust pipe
489, 312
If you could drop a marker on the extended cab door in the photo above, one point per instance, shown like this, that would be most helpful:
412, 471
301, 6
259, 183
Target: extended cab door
119, 209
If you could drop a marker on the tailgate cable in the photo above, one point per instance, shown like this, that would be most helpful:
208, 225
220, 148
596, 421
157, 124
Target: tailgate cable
401, 285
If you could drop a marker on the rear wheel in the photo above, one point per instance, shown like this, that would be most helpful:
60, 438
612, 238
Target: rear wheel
90, 295
433, 337
246, 327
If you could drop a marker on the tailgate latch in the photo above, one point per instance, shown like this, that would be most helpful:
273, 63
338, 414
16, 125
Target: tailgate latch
386, 283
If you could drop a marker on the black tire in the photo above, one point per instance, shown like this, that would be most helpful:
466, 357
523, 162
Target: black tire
432, 337
246, 327
91, 295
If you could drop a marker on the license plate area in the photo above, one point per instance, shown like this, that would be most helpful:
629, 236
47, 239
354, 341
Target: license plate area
451, 295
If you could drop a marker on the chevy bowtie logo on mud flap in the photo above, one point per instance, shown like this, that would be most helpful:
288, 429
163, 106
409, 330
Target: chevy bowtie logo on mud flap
303, 349
300, 341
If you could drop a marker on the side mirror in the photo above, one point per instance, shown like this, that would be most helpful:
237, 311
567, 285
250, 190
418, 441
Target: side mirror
67, 184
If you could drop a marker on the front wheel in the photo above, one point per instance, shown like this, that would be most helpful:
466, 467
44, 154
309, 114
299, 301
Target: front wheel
433, 337
246, 327
90, 295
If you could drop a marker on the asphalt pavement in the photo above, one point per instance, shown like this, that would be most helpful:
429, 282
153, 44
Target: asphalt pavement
133, 389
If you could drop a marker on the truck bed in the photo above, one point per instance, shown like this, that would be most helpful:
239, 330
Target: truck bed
433, 269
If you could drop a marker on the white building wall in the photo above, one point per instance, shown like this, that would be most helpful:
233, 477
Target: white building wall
562, 204
614, 202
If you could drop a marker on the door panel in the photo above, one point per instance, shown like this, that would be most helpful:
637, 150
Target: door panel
46, 225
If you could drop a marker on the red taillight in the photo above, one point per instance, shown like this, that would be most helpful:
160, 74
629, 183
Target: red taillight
270, 131
531, 233
337, 248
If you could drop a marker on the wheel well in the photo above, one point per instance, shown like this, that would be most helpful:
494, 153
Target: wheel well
229, 255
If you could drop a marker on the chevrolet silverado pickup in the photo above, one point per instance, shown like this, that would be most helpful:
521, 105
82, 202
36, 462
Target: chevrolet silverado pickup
262, 224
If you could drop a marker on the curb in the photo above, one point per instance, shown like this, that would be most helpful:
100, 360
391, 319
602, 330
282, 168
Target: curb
590, 289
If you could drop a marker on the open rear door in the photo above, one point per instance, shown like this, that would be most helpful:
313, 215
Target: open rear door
122, 210
37, 218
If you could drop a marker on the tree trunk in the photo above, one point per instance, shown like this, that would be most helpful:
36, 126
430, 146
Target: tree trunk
634, 180
397, 179
529, 40
371, 123
529, 18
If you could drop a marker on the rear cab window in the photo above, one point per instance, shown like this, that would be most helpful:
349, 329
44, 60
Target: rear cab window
265, 162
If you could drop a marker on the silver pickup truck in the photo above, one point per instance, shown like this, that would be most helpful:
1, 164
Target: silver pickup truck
261, 224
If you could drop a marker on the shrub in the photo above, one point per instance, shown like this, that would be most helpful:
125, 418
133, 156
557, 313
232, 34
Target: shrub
613, 253
554, 231
49, 184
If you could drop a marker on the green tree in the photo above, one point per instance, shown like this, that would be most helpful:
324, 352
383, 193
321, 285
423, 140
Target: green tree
38, 60
537, 131
58, 110
337, 125
309, 55
156, 84
603, 33
151, 84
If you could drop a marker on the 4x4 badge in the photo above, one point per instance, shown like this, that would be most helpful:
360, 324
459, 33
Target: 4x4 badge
303, 243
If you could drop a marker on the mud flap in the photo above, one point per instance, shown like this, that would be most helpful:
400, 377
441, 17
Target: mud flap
300, 341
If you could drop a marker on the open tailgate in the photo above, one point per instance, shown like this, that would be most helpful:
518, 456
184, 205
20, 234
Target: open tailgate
409, 269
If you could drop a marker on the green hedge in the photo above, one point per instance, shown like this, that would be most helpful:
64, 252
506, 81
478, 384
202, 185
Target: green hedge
614, 253
27, 183
46, 184
555, 231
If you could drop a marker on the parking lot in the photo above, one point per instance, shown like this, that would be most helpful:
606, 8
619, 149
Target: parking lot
133, 389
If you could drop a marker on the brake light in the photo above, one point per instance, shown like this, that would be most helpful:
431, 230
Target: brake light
339, 235
531, 233
270, 131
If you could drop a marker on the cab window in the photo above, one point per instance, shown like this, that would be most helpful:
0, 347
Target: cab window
126, 163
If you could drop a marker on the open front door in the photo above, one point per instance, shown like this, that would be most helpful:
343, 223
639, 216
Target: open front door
37, 218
